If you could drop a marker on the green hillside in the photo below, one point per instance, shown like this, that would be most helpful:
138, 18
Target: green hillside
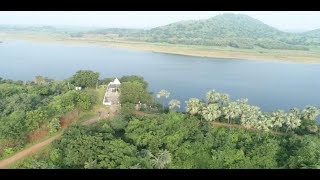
228, 29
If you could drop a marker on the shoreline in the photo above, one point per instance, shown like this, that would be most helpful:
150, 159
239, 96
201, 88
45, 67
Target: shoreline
286, 56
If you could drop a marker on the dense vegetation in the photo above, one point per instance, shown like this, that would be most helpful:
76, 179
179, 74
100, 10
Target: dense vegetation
216, 133
28, 108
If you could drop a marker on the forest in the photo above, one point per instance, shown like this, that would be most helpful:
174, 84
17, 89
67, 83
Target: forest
215, 133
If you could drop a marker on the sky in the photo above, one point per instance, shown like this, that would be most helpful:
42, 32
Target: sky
292, 21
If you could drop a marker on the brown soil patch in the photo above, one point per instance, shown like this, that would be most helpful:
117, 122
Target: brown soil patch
38, 134
66, 120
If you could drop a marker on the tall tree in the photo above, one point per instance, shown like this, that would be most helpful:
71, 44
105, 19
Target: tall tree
211, 112
293, 120
174, 104
193, 106
279, 118
231, 111
163, 93
310, 113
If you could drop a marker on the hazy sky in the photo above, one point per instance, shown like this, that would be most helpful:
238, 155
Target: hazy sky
285, 20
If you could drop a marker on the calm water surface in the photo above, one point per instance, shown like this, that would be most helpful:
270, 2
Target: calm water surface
270, 85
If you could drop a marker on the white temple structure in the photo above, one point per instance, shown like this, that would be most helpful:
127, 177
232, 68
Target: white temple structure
114, 85
111, 96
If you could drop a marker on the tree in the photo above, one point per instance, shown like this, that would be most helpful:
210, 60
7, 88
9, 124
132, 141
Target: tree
249, 115
162, 159
193, 106
231, 111
264, 123
174, 104
133, 92
54, 125
85, 78
40, 80
279, 118
310, 113
163, 93
305, 154
211, 112
293, 120
117, 154
127, 110
213, 96
35, 118
83, 100
134, 78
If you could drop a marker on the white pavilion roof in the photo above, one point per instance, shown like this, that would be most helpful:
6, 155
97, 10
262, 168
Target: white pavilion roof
116, 81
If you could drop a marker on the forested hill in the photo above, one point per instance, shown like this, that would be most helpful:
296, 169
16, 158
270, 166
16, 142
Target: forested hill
314, 33
224, 26
228, 29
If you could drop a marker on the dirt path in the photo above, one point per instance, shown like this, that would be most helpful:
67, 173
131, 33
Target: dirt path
27, 152
102, 113
37, 147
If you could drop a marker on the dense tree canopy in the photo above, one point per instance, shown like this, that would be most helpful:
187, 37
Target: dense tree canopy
134, 92
27, 107
85, 78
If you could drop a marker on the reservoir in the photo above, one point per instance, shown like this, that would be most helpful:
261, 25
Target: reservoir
269, 85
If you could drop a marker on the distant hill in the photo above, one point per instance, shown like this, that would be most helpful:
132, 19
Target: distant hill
228, 29
223, 26
314, 33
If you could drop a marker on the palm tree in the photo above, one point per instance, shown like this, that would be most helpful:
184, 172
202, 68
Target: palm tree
224, 99
211, 112
242, 101
231, 111
163, 93
293, 120
174, 104
279, 118
193, 106
310, 113
313, 128
162, 159
215, 97
249, 115
264, 123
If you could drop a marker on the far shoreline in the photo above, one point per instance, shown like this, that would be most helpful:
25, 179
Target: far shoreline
174, 49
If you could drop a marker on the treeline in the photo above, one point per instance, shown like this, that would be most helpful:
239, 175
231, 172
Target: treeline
205, 136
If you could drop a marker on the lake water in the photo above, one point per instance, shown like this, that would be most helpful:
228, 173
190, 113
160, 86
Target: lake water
270, 85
